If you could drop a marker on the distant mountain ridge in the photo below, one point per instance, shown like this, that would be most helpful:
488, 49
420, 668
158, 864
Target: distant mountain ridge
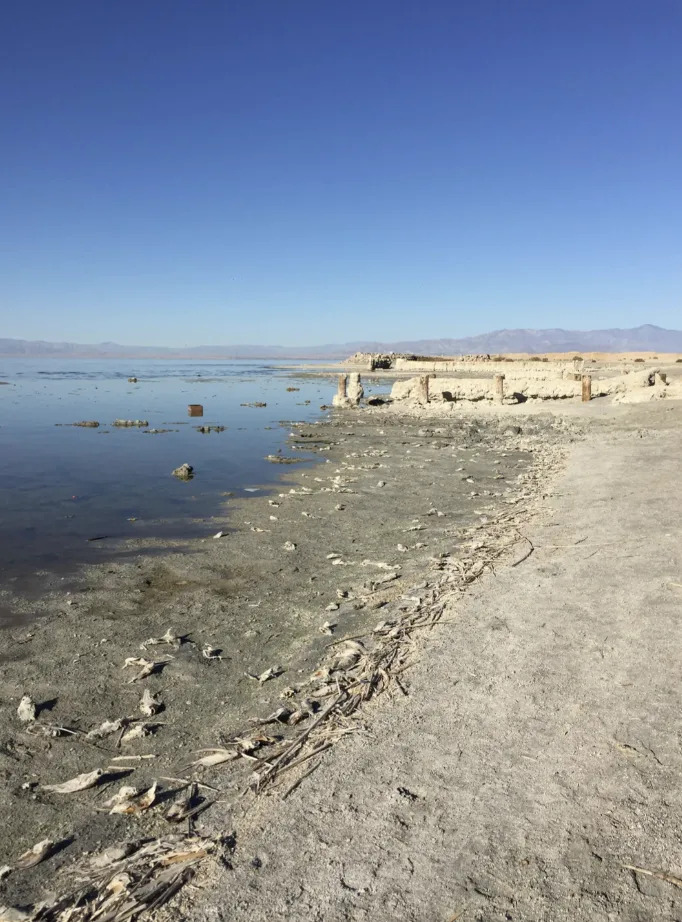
646, 338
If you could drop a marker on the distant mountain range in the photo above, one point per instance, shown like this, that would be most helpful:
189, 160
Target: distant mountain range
646, 338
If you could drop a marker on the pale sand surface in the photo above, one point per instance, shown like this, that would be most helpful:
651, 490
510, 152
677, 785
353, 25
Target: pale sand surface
538, 750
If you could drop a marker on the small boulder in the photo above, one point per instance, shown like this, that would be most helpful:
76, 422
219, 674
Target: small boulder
184, 472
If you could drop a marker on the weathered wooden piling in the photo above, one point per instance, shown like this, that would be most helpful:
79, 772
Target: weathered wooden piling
499, 388
195, 409
587, 388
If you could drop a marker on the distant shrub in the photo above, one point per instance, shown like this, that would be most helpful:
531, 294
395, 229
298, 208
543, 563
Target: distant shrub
654, 356
535, 358
544, 359
500, 358
578, 358
678, 360
639, 360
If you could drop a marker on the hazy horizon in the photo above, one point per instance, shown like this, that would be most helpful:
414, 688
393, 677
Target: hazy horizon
645, 337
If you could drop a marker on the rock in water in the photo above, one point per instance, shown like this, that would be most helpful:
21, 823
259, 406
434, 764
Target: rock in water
184, 472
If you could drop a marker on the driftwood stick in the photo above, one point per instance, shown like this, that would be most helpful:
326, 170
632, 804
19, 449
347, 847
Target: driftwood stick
298, 742
292, 787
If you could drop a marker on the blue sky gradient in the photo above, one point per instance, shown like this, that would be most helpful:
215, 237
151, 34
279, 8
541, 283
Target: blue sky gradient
305, 172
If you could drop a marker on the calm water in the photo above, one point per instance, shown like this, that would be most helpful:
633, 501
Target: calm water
61, 485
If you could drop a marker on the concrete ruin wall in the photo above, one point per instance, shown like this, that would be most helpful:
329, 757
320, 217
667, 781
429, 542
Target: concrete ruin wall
490, 368
372, 360
628, 388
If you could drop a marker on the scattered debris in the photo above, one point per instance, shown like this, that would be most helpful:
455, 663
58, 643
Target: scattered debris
130, 800
79, 783
150, 704
107, 728
271, 673
149, 667
35, 855
27, 710
170, 637
137, 732
187, 806
215, 757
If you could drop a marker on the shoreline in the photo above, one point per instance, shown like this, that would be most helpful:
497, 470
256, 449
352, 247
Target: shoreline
249, 597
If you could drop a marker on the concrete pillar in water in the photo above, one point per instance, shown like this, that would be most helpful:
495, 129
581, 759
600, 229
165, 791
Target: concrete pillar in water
355, 391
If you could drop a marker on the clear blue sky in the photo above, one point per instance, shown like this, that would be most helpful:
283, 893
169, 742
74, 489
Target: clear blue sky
303, 171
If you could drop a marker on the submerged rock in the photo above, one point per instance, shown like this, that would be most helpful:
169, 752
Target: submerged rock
87, 424
124, 423
184, 472
282, 459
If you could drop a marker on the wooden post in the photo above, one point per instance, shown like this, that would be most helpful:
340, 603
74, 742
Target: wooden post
587, 388
499, 388
424, 388
195, 409
343, 385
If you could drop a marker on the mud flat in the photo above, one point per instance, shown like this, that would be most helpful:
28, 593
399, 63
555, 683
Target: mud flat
396, 512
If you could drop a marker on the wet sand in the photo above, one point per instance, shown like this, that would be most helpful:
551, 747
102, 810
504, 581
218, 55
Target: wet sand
392, 496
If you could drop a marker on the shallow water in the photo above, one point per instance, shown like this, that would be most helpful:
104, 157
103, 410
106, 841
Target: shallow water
63, 485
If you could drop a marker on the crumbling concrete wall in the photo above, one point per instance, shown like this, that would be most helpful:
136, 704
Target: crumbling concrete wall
476, 365
372, 360
649, 385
